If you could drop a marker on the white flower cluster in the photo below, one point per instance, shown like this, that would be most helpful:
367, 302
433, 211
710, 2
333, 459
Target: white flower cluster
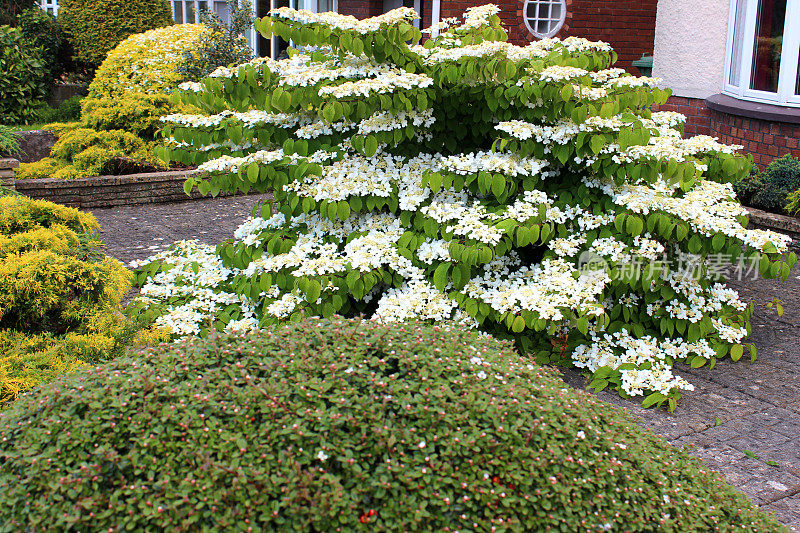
561, 133
249, 119
346, 22
387, 83
614, 350
709, 208
557, 73
498, 162
386, 121
548, 288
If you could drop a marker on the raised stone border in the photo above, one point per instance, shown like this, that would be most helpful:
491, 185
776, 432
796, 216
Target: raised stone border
35, 145
111, 191
775, 222
7, 167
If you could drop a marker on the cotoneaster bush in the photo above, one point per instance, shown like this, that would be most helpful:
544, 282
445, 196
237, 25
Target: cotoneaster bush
336, 425
528, 191
59, 297
95, 27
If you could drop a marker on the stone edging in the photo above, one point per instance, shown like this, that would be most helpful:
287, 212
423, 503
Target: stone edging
773, 221
111, 191
7, 167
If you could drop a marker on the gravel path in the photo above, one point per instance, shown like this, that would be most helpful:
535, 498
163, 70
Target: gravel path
742, 419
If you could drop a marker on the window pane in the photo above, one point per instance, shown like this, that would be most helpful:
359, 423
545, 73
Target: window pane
324, 6
738, 43
178, 12
767, 47
190, 12
797, 87
221, 9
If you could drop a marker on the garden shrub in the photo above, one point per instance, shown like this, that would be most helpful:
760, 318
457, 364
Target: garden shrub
136, 113
95, 27
748, 186
83, 152
336, 425
10, 9
68, 111
23, 81
222, 45
528, 191
146, 62
779, 179
59, 297
9, 142
41, 31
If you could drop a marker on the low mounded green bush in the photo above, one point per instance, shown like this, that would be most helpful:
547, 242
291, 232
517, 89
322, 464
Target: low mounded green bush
336, 425
781, 178
23, 78
95, 27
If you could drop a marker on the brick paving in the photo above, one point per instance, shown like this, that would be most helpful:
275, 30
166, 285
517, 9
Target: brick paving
742, 419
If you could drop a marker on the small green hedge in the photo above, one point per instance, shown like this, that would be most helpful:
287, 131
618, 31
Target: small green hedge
23, 78
336, 425
776, 189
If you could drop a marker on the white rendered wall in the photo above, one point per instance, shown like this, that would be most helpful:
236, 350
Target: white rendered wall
690, 46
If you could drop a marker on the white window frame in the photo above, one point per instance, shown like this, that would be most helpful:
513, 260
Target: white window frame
790, 50
559, 23
310, 5
49, 6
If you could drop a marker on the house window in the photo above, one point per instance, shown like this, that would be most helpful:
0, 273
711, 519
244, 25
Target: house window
276, 47
544, 17
51, 6
763, 56
188, 11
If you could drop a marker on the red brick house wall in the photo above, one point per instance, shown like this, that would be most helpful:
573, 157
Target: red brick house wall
765, 139
628, 25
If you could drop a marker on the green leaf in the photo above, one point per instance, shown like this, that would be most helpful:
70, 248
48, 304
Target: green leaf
583, 325
440, 276
370, 146
518, 325
498, 185
737, 351
252, 172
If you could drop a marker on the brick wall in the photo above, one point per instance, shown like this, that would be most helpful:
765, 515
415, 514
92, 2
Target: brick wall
628, 25
765, 139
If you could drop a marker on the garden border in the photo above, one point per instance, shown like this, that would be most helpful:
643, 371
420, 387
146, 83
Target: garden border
111, 191
776, 222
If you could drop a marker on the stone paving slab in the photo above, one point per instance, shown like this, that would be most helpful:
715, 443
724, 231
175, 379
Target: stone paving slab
742, 419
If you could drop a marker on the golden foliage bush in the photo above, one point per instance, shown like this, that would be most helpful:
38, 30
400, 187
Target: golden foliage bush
146, 62
59, 309
83, 152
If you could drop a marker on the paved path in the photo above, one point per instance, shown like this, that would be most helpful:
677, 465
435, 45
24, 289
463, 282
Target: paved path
742, 419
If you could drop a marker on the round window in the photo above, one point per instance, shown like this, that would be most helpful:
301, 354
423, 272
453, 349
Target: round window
544, 17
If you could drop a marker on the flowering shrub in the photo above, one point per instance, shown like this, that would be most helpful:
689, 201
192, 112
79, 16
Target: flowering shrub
59, 298
146, 62
336, 425
528, 191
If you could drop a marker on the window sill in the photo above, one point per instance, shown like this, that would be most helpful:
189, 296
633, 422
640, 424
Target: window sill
769, 112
